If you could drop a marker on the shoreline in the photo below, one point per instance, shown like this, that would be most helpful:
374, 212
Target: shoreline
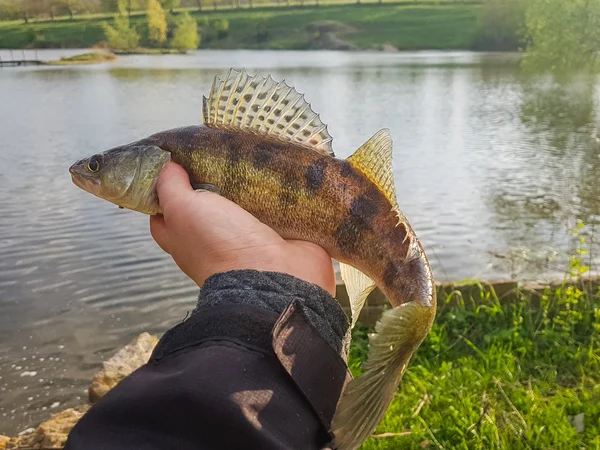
458, 298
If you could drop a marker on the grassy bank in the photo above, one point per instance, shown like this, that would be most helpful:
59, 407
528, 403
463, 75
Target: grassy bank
500, 375
87, 58
404, 26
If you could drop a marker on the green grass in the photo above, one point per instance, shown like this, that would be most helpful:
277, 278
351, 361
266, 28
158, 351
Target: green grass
405, 26
500, 375
86, 58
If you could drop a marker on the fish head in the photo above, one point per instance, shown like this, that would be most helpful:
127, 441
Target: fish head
125, 176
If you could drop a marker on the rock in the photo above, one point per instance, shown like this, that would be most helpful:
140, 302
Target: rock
125, 361
577, 422
51, 434
325, 35
388, 48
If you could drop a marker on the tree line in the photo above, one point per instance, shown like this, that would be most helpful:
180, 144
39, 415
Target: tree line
179, 32
28, 10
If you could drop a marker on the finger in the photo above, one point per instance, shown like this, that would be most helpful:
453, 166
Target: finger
172, 187
158, 229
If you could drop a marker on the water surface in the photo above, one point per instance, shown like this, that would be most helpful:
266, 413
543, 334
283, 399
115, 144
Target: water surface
492, 170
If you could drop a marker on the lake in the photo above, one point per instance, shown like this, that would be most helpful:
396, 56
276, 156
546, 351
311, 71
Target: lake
493, 169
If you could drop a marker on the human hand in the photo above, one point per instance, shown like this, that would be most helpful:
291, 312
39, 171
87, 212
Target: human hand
206, 234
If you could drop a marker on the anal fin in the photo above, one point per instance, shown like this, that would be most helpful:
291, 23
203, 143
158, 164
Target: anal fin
358, 286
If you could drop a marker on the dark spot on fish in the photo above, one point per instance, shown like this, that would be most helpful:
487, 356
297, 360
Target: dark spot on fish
222, 108
285, 102
296, 126
287, 198
267, 108
250, 119
254, 84
261, 118
390, 274
262, 95
255, 108
306, 133
271, 121
347, 171
239, 90
242, 108
223, 98
364, 206
348, 234
236, 101
234, 154
262, 157
280, 126
277, 112
315, 175
288, 118
303, 116
227, 87
248, 97
230, 111
313, 142
275, 97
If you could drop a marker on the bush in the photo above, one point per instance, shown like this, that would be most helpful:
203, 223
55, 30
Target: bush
186, 36
221, 26
122, 36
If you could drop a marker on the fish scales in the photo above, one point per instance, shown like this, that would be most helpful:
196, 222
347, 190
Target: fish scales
300, 194
264, 148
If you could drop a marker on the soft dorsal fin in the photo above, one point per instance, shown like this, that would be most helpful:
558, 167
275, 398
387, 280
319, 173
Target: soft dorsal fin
358, 287
374, 160
260, 105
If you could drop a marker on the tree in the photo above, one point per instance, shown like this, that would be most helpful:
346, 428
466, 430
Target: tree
10, 10
122, 36
71, 7
157, 23
186, 36
170, 5
562, 35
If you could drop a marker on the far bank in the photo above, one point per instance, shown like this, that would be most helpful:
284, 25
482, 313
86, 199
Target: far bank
386, 27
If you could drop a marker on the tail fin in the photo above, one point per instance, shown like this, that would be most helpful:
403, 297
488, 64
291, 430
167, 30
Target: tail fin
365, 400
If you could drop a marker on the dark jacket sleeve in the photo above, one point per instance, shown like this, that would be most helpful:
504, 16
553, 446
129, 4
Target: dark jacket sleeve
260, 364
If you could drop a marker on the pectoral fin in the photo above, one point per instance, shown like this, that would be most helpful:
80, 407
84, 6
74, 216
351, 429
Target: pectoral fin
366, 398
206, 187
358, 286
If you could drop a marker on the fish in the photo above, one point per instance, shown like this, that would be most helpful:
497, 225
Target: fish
262, 146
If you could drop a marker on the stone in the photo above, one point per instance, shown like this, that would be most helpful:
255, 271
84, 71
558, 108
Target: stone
124, 362
578, 422
51, 434
388, 48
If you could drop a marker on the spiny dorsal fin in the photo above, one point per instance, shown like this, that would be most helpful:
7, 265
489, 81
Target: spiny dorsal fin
366, 398
374, 160
358, 286
260, 105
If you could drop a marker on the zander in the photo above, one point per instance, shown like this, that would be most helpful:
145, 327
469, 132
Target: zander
264, 148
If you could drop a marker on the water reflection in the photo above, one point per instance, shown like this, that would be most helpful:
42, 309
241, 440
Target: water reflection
557, 183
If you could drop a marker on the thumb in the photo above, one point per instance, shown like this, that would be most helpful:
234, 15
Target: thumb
173, 187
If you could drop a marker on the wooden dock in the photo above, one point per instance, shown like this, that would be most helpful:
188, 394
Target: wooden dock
22, 58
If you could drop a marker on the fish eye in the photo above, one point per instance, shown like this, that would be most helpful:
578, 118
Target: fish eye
93, 166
